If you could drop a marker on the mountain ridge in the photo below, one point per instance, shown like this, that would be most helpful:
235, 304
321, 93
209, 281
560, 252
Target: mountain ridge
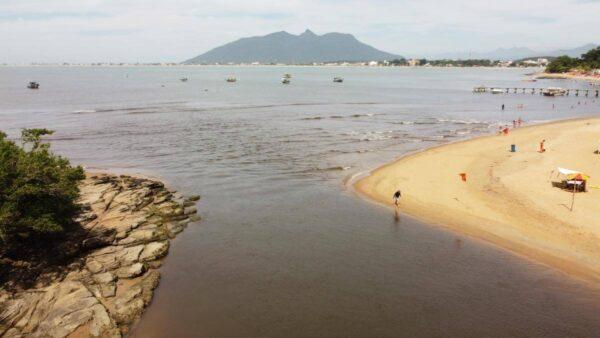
283, 47
516, 53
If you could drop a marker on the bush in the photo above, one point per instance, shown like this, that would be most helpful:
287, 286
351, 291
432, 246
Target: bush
38, 191
562, 64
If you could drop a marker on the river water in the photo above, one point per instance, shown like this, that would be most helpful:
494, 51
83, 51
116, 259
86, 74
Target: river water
284, 248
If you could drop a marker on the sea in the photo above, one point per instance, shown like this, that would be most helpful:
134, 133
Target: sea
285, 247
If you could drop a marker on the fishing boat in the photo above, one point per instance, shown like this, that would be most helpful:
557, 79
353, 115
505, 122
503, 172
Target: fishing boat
338, 79
553, 91
285, 80
231, 79
496, 91
33, 85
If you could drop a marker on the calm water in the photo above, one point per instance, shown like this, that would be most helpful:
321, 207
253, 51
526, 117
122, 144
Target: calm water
284, 248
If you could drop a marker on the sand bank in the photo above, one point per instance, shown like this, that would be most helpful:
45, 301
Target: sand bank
568, 76
508, 198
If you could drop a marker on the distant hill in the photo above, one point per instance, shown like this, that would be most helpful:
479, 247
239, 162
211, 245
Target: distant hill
517, 53
283, 47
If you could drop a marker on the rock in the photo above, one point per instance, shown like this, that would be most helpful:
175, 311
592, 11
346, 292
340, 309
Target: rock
174, 228
194, 198
161, 199
195, 218
140, 236
131, 271
103, 278
121, 235
129, 221
108, 290
100, 322
94, 242
154, 251
94, 266
190, 210
137, 222
132, 254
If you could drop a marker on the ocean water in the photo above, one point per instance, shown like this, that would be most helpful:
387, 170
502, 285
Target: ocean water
285, 248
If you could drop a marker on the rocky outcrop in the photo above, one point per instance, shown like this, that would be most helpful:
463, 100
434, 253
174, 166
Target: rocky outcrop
129, 221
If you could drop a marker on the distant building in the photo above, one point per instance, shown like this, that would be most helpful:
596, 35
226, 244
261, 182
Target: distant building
414, 62
373, 64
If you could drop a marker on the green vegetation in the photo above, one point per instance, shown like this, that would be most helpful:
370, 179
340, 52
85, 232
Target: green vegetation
586, 63
38, 191
464, 63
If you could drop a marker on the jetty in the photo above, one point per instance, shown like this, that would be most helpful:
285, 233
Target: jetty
531, 90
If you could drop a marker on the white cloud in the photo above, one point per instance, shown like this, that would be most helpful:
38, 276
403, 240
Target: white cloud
150, 30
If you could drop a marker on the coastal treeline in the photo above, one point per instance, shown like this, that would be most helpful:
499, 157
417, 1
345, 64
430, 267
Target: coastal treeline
587, 62
38, 192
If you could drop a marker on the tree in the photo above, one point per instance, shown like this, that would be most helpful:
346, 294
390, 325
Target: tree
38, 191
562, 64
592, 58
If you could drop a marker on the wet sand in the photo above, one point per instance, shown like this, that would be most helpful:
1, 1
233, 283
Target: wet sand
508, 198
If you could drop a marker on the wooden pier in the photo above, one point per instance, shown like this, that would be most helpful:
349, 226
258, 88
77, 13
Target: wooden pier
540, 91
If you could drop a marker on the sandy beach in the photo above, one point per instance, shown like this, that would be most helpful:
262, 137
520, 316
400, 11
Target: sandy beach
508, 198
568, 76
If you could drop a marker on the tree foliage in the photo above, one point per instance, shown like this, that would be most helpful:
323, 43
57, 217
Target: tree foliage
588, 61
38, 190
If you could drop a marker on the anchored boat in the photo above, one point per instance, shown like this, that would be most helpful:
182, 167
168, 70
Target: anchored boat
285, 80
338, 79
554, 91
231, 79
33, 85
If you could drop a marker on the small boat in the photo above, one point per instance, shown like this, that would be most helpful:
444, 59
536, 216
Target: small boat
33, 85
285, 80
553, 91
480, 89
231, 79
183, 79
287, 76
496, 91
338, 79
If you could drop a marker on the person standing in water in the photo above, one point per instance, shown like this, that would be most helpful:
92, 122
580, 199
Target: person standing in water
396, 197
503, 106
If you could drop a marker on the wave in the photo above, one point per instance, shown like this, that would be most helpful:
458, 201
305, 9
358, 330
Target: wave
84, 111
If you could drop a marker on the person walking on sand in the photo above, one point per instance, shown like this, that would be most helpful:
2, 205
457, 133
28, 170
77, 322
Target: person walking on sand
396, 197
542, 149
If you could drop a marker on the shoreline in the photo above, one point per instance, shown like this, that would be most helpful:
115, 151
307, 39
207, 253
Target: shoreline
487, 206
567, 76
127, 224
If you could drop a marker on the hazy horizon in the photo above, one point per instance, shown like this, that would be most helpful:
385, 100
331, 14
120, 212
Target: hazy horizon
154, 31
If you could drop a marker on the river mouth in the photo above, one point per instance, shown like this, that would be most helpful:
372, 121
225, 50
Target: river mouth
283, 249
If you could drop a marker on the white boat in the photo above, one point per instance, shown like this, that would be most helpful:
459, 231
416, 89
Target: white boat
554, 91
231, 79
496, 91
338, 79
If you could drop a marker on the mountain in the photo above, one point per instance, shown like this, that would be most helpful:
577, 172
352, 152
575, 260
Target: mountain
517, 53
283, 47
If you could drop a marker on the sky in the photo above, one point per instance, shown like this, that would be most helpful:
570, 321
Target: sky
87, 31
